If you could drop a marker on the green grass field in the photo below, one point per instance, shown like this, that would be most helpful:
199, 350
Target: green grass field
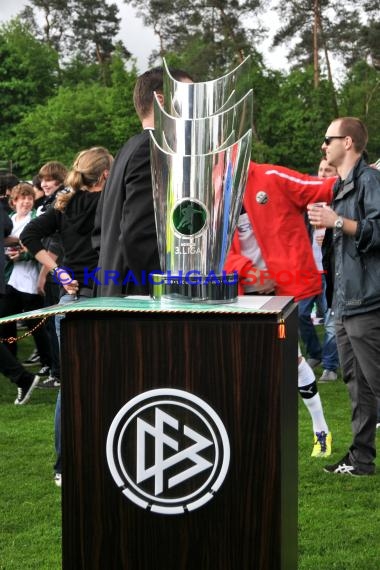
339, 522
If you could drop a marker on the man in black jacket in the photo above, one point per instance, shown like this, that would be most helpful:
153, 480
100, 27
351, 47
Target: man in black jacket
125, 229
355, 219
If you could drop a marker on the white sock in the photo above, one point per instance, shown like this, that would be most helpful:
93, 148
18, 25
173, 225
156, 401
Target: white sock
306, 378
305, 374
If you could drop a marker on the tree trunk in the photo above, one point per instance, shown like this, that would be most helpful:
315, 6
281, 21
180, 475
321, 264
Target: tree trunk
328, 65
315, 43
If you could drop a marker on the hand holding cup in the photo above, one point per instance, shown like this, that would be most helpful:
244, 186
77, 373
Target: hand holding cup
321, 215
315, 208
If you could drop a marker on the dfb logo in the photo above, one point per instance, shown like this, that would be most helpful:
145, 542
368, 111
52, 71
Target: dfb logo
168, 451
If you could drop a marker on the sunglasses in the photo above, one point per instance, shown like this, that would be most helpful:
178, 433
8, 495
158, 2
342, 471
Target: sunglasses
327, 140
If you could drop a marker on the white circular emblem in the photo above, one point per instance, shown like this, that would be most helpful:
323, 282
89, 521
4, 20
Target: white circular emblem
261, 197
168, 451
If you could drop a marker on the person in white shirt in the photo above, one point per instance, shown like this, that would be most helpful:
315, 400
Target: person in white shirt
21, 274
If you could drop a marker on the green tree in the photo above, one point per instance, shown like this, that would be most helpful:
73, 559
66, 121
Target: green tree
28, 75
354, 31
322, 28
214, 35
95, 24
79, 28
77, 117
125, 121
55, 15
360, 97
75, 71
291, 118
370, 43
72, 120
307, 24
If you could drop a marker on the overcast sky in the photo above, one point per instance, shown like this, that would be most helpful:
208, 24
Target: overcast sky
139, 40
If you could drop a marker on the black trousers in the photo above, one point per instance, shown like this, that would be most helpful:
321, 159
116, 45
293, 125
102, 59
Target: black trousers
12, 368
358, 341
14, 302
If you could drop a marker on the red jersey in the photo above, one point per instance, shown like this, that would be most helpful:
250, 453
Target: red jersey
275, 200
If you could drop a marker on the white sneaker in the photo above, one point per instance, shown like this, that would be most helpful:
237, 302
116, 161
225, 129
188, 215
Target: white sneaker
50, 382
33, 359
328, 376
58, 479
313, 362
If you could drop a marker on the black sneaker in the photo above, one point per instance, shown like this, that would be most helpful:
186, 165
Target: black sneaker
25, 390
51, 382
33, 359
345, 467
45, 371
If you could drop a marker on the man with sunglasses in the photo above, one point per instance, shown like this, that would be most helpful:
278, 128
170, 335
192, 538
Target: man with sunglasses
354, 218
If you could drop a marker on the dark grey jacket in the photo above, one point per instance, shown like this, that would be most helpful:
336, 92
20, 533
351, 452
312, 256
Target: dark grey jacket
357, 258
125, 229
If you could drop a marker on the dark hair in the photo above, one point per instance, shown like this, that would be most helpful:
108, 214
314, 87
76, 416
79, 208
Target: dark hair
149, 82
36, 181
7, 181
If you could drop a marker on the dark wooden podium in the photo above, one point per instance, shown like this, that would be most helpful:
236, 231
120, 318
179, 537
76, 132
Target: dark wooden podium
242, 362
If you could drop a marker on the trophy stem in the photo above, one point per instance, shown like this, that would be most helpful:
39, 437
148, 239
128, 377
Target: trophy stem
219, 289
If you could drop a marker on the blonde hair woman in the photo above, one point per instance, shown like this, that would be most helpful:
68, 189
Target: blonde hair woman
73, 217
89, 172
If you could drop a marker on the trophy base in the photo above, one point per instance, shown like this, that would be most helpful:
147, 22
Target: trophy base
221, 289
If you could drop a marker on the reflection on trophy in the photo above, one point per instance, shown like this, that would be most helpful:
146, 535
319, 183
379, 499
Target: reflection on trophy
200, 152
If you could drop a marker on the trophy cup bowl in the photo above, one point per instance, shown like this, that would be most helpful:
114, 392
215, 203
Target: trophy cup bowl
206, 98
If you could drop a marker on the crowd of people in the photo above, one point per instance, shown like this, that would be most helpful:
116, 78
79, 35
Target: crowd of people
100, 213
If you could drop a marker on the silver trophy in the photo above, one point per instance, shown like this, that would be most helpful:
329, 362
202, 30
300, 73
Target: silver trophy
200, 152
